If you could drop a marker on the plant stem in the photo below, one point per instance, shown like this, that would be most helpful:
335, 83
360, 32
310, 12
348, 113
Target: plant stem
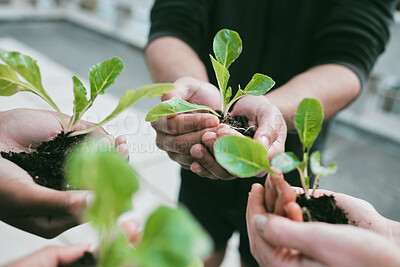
303, 183
316, 184
60, 114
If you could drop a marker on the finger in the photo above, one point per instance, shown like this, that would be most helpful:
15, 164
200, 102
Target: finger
270, 195
185, 123
209, 139
255, 204
123, 150
131, 230
180, 143
208, 162
223, 130
293, 211
285, 193
121, 139
182, 159
200, 171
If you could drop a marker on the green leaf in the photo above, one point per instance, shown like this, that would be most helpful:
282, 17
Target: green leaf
222, 75
260, 84
174, 106
131, 97
81, 104
228, 94
95, 166
24, 66
103, 75
308, 121
227, 47
9, 82
172, 238
316, 168
285, 161
241, 156
116, 253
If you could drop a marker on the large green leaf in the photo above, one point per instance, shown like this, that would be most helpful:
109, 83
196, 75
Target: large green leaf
9, 82
95, 166
260, 84
241, 156
222, 75
308, 121
316, 168
227, 47
24, 66
285, 161
81, 104
104, 74
174, 106
172, 238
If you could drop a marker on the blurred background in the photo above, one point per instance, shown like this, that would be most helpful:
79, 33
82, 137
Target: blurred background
364, 139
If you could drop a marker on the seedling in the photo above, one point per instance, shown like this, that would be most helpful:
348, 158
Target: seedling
101, 77
244, 157
171, 237
227, 48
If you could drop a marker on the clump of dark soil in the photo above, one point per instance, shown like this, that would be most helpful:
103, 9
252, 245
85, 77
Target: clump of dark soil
241, 124
322, 209
46, 164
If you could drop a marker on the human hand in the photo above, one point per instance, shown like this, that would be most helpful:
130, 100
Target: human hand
278, 241
52, 256
25, 204
177, 134
271, 132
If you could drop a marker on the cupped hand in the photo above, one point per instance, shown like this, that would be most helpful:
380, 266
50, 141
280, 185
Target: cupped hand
177, 134
269, 121
25, 204
279, 241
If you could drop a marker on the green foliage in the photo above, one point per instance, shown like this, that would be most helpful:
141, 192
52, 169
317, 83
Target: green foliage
96, 167
285, 162
227, 48
171, 239
316, 168
241, 156
308, 121
174, 106
101, 77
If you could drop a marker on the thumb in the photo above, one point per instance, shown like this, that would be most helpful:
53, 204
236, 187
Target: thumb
183, 89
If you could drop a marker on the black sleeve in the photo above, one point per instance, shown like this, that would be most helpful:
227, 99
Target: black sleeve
183, 19
354, 34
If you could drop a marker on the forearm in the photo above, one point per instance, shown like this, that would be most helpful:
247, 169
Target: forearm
334, 85
169, 58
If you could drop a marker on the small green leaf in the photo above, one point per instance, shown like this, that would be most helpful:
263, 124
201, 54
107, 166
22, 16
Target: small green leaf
222, 75
260, 84
241, 156
316, 168
99, 168
172, 238
116, 253
228, 94
80, 101
308, 121
9, 82
24, 66
285, 161
103, 75
174, 106
227, 47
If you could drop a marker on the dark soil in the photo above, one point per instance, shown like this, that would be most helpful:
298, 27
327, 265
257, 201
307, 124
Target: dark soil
241, 124
322, 209
46, 165
88, 260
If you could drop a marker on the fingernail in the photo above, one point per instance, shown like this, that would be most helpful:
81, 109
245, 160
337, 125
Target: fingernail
259, 221
89, 199
198, 153
265, 141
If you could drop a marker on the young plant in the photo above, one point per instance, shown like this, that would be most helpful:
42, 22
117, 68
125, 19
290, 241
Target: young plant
171, 236
244, 157
227, 48
101, 77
